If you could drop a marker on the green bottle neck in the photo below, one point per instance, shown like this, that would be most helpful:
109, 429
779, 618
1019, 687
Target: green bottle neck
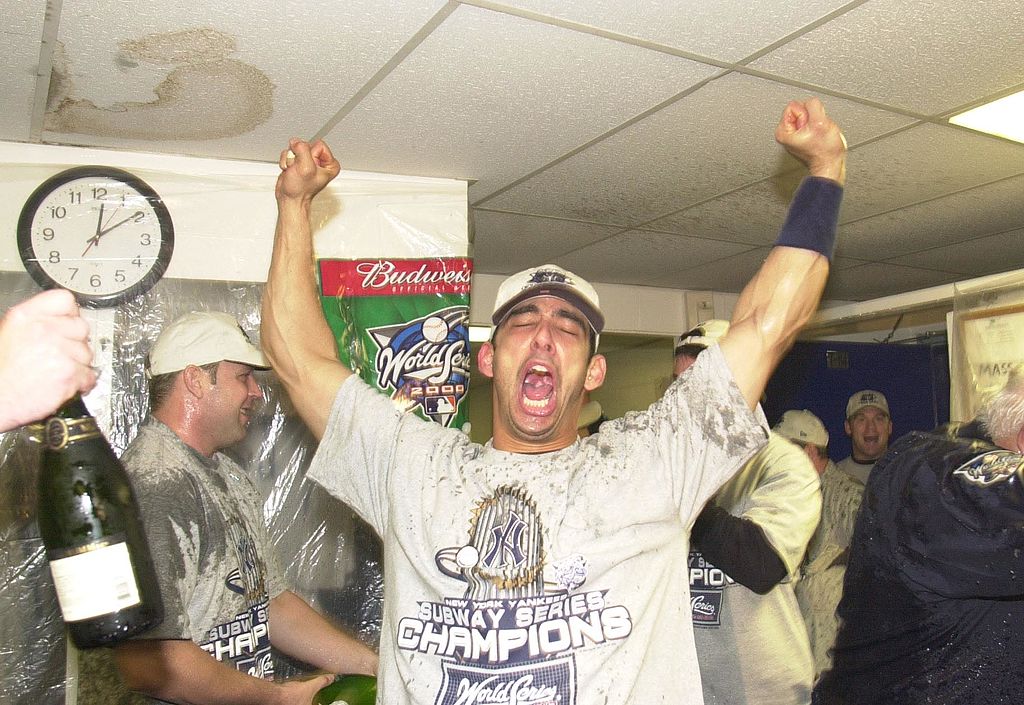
73, 408
70, 424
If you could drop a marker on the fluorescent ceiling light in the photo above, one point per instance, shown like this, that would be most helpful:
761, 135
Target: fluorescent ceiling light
1003, 117
479, 334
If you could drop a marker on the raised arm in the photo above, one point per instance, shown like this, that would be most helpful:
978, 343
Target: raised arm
784, 293
294, 334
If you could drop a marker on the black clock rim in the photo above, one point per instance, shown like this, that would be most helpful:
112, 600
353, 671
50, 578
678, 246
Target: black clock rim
163, 215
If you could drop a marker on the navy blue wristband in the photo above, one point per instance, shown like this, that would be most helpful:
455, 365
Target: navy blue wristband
813, 216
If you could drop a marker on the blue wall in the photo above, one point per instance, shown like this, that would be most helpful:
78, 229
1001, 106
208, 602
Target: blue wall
913, 378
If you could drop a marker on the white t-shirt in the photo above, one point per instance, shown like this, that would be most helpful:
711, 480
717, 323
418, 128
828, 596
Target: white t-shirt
558, 577
754, 648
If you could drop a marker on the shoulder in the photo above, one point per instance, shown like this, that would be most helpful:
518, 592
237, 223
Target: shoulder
159, 462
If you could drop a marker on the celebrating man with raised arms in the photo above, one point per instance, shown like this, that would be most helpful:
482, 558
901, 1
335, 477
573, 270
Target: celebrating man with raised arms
540, 567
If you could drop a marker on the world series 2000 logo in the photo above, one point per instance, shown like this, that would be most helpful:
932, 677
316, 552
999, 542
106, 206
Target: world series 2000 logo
425, 362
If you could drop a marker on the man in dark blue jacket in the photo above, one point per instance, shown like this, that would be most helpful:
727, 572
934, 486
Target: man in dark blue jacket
933, 604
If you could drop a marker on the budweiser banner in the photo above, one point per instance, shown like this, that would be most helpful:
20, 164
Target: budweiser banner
403, 326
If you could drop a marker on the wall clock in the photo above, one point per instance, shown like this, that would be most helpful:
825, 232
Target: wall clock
100, 232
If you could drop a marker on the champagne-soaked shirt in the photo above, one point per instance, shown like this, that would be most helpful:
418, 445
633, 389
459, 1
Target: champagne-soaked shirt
753, 649
555, 577
214, 559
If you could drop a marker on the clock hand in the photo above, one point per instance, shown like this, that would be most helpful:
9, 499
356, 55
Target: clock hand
118, 224
95, 238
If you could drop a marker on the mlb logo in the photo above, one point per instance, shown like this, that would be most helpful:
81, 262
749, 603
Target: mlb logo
439, 405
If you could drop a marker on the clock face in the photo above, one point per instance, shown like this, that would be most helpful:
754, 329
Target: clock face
99, 232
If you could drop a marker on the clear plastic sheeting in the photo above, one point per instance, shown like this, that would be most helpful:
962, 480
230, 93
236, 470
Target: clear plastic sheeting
986, 340
330, 557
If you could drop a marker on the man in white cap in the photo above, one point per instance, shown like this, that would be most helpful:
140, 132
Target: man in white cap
225, 601
745, 553
869, 426
817, 572
807, 431
541, 567
842, 488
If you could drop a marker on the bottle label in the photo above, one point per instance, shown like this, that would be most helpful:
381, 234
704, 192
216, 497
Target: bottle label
60, 432
98, 579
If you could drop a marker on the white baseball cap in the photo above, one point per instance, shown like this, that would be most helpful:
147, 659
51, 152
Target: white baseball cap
803, 427
549, 280
200, 338
703, 336
864, 398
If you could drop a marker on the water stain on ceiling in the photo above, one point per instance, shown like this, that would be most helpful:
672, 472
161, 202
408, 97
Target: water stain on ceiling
205, 95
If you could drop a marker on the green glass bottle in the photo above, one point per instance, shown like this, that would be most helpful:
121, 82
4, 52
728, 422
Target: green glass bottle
90, 525
355, 689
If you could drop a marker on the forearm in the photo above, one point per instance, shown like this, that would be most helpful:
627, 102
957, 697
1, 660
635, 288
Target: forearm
294, 334
771, 311
180, 672
739, 547
785, 292
301, 632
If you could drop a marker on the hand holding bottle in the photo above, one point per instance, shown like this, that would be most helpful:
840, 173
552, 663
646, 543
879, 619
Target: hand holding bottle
45, 357
354, 689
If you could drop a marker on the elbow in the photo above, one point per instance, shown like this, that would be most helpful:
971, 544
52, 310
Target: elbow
763, 586
142, 667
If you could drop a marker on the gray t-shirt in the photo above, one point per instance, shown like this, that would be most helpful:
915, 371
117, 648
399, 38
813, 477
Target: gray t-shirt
214, 559
555, 577
753, 649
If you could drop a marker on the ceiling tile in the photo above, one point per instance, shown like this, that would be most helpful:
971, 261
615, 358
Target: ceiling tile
928, 56
978, 257
966, 215
568, 116
728, 30
212, 79
752, 215
874, 280
20, 35
640, 257
923, 163
508, 242
689, 151
491, 97
729, 274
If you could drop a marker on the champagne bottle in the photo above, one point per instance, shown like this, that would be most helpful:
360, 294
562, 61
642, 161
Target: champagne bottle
352, 689
90, 525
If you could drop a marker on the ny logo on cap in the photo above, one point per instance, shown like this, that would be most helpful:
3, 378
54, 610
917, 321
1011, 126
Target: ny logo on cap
548, 277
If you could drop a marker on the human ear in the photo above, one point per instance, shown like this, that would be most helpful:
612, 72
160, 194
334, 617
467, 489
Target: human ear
485, 360
194, 379
596, 370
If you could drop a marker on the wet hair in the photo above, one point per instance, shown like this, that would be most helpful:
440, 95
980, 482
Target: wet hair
1002, 414
160, 386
